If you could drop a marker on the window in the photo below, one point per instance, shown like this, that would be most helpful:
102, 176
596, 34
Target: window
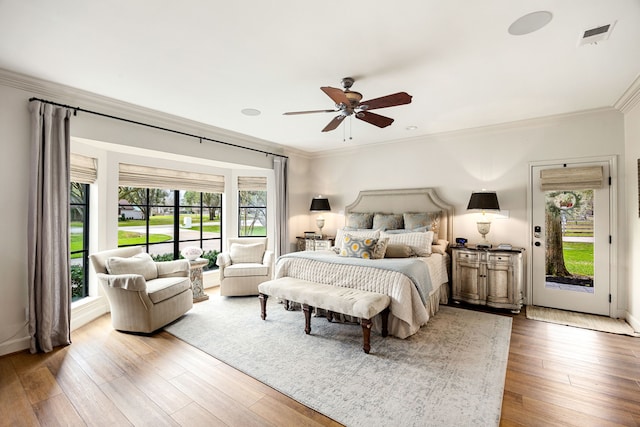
83, 173
165, 221
79, 239
252, 206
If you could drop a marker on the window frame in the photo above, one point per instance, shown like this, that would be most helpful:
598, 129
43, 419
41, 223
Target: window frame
85, 206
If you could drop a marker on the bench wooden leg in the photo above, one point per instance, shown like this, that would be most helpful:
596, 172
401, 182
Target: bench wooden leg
330, 315
385, 322
263, 305
366, 334
307, 318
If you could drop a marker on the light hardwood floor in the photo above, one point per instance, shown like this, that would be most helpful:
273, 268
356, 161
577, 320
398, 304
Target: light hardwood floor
556, 375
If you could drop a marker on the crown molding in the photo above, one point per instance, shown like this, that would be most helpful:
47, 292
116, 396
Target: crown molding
630, 98
488, 129
74, 97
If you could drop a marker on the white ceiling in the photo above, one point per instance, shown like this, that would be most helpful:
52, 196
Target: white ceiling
207, 60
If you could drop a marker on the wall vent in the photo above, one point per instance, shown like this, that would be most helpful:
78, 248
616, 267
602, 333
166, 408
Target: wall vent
595, 35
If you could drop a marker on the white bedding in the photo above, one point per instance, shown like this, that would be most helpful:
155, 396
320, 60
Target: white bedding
408, 313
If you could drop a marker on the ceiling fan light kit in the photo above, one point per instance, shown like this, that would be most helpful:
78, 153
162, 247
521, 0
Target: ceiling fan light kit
348, 103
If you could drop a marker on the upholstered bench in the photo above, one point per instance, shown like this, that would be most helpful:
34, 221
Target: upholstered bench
334, 299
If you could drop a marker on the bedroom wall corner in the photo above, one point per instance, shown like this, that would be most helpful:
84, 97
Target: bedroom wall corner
14, 172
632, 147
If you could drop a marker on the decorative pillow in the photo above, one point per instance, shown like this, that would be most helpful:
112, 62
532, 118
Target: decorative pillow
440, 247
360, 220
380, 248
419, 242
141, 264
358, 247
431, 220
242, 253
405, 230
398, 251
382, 221
340, 233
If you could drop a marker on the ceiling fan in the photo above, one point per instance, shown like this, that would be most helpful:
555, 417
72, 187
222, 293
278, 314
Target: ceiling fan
349, 103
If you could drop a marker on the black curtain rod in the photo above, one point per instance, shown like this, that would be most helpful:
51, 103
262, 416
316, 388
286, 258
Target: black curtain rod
201, 138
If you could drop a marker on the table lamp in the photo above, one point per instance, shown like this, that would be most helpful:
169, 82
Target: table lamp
320, 204
484, 201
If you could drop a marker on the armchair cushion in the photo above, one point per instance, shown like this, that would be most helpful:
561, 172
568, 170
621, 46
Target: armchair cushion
163, 288
246, 269
141, 264
246, 252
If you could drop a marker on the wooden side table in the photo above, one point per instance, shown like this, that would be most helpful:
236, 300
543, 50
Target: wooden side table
195, 276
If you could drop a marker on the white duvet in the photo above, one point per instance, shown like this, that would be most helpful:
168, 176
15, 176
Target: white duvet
408, 313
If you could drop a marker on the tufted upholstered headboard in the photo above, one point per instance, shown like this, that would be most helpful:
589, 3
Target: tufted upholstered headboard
405, 200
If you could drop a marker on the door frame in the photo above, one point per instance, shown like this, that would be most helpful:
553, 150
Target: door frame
614, 309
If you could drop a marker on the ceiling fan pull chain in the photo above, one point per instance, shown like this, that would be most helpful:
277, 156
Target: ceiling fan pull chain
350, 128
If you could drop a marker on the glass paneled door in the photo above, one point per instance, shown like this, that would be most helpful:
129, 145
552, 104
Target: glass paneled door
570, 236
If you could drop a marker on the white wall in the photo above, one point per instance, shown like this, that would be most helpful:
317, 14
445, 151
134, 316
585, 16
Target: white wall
632, 231
494, 158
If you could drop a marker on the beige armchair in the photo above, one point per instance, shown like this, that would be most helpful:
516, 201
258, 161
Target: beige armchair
244, 264
144, 295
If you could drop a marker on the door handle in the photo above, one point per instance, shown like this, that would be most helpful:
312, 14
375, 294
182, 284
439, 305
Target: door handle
537, 231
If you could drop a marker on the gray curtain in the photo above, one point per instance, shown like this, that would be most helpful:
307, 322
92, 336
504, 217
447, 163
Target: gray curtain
49, 278
282, 205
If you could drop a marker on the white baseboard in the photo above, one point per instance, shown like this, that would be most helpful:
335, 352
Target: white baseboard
635, 323
88, 310
15, 345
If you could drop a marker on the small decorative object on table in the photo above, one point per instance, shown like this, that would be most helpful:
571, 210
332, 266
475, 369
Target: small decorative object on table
191, 253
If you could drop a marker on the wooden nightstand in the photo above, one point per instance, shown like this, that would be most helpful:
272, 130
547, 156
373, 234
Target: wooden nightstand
492, 277
323, 243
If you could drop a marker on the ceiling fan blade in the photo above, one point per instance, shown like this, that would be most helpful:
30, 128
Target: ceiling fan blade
374, 119
399, 98
334, 123
337, 95
291, 113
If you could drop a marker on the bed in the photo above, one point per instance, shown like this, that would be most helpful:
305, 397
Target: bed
416, 277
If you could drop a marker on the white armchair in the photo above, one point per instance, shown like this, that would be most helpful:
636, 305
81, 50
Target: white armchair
244, 265
144, 295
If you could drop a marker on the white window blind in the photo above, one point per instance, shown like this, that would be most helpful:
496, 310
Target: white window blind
572, 178
83, 169
150, 177
252, 183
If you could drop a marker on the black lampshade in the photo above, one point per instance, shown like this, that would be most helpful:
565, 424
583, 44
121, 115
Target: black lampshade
484, 200
319, 204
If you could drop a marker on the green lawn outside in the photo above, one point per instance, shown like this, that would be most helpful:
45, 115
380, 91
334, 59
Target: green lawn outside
163, 220
578, 258
124, 238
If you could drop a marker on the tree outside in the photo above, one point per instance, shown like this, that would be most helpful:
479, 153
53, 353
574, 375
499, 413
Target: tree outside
569, 237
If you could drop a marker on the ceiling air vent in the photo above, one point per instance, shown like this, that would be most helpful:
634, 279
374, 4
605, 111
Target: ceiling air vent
595, 35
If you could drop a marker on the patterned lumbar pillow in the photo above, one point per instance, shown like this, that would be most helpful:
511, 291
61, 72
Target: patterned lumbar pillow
358, 247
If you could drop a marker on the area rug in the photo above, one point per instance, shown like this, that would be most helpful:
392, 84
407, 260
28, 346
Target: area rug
580, 320
451, 372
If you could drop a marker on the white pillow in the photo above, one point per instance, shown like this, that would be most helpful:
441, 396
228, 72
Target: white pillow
141, 264
242, 253
420, 242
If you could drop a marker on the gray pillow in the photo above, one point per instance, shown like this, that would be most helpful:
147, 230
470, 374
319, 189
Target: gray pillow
398, 251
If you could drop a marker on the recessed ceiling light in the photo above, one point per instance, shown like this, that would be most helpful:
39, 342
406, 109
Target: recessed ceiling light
250, 112
411, 127
530, 22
